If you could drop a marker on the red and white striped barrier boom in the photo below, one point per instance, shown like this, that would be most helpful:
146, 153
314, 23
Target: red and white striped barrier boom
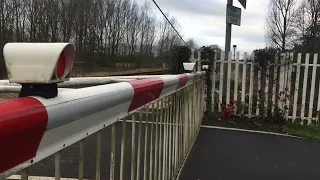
33, 128
42, 121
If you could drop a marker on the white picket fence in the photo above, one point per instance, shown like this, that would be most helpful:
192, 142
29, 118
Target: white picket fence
257, 90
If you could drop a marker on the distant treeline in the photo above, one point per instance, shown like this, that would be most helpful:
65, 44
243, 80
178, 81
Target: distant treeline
103, 31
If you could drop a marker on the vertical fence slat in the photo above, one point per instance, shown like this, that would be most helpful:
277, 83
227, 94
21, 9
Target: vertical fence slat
113, 152
152, 137
213, 85
133, 147
313, 80
177, 143
146, 144
251, 88
288, 84
244, 78
81, 160
236, 80
285, 78
258, 92
156, 141
229, 78
266, 91
139, 145
296, 89
165, 139
304, 90
24, 174
123, 148
174, 131
180, 130
170, 155
281, 83
57, 165
98, 156
161, 119
275, 83
221, 80
318, 105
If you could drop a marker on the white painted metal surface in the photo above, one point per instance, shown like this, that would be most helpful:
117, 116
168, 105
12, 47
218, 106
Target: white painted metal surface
250, 111
189, 66
244, 78
304, 91
73, 116
296, 90
229, 78
236, 79
36, 62
258, 93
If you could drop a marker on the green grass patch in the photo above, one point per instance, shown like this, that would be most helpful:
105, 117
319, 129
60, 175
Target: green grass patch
309, 132
266, 124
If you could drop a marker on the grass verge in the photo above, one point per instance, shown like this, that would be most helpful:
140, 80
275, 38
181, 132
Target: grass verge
309, 132
267, 124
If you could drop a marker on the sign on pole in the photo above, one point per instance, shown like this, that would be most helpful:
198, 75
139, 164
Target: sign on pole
243, 3
233, 15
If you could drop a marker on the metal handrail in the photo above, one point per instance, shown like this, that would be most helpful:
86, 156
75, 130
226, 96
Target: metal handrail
172, 128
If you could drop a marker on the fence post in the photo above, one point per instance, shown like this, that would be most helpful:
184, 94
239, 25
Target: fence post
258, 93
313, 80
221, 80
281, 82
228, 78
213, 89
304, 90
251, 87
296, 89
199, 61
289, 84
244, 78
236, 80
275, 83
266, 91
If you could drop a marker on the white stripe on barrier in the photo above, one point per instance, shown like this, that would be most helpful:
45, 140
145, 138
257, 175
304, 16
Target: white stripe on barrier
170, 85
71, 106
74, 115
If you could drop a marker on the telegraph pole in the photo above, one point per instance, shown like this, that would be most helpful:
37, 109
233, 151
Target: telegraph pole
227, 50
233, 16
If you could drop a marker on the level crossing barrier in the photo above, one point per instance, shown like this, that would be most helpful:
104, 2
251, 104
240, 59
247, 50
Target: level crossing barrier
163, 114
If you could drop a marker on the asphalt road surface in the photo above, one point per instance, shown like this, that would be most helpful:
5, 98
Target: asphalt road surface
233, 155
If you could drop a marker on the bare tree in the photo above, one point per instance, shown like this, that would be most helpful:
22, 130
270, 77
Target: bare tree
280, 23
191, 43
104, 32
307, 21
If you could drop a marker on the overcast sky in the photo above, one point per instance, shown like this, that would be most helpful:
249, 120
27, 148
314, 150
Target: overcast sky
204, 21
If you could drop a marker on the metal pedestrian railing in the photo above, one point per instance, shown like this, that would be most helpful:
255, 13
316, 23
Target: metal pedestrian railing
145, 132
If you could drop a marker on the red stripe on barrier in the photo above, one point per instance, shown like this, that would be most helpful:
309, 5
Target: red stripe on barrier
22, 125
183, 78
145, 91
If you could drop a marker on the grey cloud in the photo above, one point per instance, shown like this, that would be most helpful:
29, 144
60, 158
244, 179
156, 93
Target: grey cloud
196, 7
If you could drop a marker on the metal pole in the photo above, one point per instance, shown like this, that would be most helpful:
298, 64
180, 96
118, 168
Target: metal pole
234, 52
227, 49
